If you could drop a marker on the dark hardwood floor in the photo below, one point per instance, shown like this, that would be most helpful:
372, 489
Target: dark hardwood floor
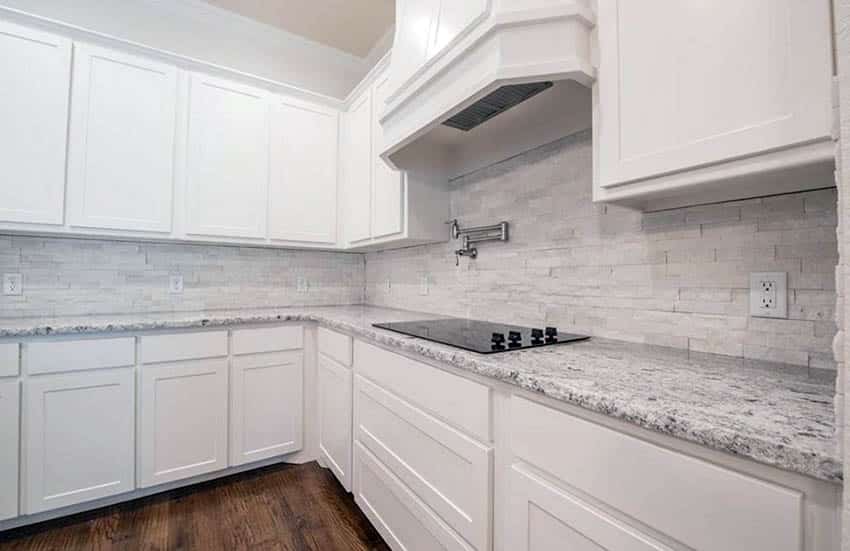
281, 508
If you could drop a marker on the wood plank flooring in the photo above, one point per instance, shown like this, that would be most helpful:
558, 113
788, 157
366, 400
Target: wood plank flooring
280, 508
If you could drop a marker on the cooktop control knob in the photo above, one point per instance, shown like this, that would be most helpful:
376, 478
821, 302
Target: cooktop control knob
498, 338
536, 336
515, 338
551, 333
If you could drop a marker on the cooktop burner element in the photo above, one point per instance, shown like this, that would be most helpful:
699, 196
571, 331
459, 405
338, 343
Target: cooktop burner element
481, 336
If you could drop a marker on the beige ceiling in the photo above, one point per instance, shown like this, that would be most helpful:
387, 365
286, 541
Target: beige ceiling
353, 26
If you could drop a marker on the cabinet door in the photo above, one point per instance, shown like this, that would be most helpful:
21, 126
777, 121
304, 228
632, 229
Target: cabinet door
79, 437
357, 169
266, 409
712, 87
543, 517
335, 418
228, 154
121, 164
9, 423
35, 76
303, 179
183, 420
387, 184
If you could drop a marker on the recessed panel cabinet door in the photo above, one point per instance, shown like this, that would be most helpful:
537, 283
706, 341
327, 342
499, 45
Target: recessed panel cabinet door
357, 169
35, 74
183, 420
335, 392
303, 179
387, 184
266, 407
228, 159
79, 437
685, 84
544, 517
9, 423
121, 164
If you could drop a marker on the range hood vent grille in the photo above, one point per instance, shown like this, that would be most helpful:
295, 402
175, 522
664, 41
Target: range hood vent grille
498, 101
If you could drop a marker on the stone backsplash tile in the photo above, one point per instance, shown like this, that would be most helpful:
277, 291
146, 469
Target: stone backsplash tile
676, 278
75, 276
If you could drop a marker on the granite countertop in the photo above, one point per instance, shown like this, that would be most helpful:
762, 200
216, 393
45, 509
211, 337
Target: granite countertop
775, 414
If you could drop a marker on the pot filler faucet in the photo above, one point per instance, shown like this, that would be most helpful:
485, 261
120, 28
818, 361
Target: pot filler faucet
495, 232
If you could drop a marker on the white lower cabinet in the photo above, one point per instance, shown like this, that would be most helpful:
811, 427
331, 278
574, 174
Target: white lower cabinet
699, 504
544, 517
450, 472
182, 420
335, 409
403, 520
266, 418
78, 438
9, 447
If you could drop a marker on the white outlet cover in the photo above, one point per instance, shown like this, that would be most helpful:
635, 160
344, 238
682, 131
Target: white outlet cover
13, 284
769, 294
423, 284
175, 284
301, 284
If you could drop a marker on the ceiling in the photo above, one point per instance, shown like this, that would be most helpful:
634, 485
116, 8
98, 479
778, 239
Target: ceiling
353, 26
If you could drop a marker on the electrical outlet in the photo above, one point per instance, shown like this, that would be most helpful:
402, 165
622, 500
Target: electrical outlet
423, 284
388, 285
175, 284
301, 284
13, 284
769, 294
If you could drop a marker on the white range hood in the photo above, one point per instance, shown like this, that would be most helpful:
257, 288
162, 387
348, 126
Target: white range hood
456, 63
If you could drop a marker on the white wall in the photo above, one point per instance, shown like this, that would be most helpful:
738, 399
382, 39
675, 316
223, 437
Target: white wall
195, 29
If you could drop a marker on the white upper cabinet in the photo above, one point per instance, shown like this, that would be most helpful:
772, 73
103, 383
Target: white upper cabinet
357, 169
690, 92
121, 163
303, 179
227, 167
387, 184
382, 207
34, 87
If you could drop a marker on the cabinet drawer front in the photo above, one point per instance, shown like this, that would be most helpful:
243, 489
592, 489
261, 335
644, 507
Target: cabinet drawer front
667, 490
335, 346
446, 469
62, 356
459, 401
183, 346
267, 339
401, 518
545, 517
9, 359
9, 427
79, 437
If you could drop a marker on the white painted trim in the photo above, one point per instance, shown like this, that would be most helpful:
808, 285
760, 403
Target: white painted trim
367, 81
182, 61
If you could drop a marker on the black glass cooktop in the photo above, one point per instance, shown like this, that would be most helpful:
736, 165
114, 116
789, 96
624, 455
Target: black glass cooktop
481, 336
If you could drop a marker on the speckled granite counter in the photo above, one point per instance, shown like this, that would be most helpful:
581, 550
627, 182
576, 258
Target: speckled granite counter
775, 414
